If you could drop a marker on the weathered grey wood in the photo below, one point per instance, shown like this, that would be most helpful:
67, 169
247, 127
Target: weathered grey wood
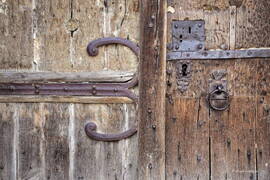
101, 76
56, 140
30, 145
16, 40
151, 129
105, 160
7, 142
65, 99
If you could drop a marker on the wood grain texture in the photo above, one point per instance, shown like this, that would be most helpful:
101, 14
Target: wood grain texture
30, 157
7, 142
151, 160
65, 99
16, 35
105, 160
187, 139
56, 141
115, 18
102, 76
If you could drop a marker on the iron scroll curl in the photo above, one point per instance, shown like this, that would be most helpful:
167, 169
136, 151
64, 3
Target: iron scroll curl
91, 127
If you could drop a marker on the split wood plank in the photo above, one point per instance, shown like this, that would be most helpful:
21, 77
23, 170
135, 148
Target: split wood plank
151, 160
101, 76
65, 99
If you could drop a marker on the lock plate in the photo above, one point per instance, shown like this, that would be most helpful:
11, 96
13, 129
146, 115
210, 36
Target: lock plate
188, 35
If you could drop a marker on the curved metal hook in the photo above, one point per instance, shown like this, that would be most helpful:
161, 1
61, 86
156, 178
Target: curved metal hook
92, 47
90, 130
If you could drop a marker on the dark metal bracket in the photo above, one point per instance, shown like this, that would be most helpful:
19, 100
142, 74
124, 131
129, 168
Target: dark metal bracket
84, 89
188, 43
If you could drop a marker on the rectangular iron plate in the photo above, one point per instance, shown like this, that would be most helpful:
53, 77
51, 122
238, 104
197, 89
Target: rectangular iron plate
220, 54
188, 35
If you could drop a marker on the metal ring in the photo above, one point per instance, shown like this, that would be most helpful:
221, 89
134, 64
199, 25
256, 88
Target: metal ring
215, 92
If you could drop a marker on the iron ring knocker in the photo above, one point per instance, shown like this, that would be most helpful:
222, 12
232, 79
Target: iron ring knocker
92, 49
211, 97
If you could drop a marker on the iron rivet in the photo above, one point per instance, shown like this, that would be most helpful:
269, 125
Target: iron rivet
205, 53
65, 89
115, 90
149, 110
176, 46
36, 86
94, 87
153, 17
200, 46
150, 166
228, 141
249, 53
188, 55
175, 26
150, 25
200, 25
94, 92
228, 53
154, 127
12, 88
37, 91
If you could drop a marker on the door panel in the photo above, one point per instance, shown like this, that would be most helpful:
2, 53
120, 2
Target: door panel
202, 143
47, 140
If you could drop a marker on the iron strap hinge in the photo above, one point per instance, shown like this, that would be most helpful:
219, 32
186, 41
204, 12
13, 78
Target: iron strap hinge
188, 43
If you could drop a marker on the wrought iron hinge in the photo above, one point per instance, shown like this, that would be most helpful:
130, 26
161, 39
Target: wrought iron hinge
84, 89
188, 42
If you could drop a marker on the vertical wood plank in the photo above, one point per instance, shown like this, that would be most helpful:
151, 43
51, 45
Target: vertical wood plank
151, 160
16, 34
233, 12
187, 142
263, 120
56, 145
51, 36
105, 160
7, 145
30, 158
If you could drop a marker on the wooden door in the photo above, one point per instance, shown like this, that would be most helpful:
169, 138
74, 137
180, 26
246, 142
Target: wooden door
42, 137
202, 143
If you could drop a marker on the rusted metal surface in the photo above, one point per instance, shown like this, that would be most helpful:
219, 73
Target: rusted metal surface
220, 54
92, 47
187, 35
71, 89
90, 130
218, 99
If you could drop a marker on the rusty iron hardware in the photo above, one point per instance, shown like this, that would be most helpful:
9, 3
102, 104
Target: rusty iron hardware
71, 89
84, 89
218, 99
92, 49
90, 130
188, 43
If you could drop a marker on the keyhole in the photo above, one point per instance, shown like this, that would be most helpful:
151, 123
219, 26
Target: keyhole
189, 30
184, 69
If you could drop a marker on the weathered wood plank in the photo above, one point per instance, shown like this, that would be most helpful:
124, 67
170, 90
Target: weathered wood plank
253, 24
7, 142
51, 36
16, 35
65, 99
151, 160
30, 157
232, 140
105, 160
56, 140
115, 18
187, 139
101, 76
